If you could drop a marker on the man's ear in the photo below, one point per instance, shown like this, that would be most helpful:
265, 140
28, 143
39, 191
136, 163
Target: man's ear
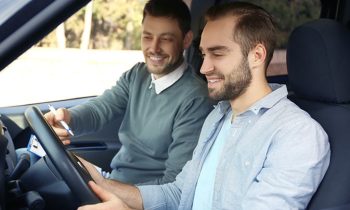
257, 56
188, 39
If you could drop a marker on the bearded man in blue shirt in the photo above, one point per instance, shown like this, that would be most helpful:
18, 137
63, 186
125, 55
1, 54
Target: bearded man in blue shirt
256, 150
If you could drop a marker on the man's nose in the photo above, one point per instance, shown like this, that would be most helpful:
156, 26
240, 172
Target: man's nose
207, 66
155, 45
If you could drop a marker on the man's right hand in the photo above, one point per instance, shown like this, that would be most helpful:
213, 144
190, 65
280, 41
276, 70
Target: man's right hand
109, 200
54, 121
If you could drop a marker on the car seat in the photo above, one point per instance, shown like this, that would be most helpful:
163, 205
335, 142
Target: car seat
318, 62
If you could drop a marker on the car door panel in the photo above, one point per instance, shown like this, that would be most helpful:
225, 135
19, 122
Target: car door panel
99, 147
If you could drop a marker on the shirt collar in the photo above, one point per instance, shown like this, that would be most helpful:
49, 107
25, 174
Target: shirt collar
169, 79
278, 92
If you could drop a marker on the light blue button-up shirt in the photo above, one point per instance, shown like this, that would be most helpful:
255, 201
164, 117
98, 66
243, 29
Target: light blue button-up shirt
206, 180
276, 159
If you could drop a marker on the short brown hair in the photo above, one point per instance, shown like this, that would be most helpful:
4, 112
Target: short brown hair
176, 9
254, 26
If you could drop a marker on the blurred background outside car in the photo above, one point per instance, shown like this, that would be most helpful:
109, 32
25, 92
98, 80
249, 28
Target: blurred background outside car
88, 53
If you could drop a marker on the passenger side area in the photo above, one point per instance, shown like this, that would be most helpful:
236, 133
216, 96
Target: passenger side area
318, 62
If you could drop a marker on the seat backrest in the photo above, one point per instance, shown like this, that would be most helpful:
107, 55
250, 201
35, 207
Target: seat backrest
318, 62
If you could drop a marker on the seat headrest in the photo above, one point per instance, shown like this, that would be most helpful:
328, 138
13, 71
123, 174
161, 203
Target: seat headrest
318, 61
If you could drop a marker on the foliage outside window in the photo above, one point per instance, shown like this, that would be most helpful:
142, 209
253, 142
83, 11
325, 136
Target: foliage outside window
116, 24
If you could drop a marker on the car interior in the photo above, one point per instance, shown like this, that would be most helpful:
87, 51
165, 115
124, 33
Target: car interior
318, 63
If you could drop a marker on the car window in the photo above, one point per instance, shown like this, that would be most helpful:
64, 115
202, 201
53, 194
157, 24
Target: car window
88, 53
59, 67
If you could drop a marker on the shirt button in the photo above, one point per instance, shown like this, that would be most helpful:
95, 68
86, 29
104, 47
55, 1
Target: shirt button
246, 163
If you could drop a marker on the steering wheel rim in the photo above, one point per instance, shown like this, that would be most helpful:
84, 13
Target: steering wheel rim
68, 166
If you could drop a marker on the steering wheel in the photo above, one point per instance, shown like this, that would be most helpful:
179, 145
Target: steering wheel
68, 166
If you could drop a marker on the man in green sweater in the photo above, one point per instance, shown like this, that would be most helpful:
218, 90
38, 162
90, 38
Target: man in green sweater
164, 103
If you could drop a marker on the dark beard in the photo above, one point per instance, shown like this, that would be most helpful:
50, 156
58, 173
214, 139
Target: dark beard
237, 83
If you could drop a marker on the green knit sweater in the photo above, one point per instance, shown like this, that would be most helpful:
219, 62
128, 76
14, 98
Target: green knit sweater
158, 132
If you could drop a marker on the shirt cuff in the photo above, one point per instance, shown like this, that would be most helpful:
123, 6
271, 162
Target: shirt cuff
152, 197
